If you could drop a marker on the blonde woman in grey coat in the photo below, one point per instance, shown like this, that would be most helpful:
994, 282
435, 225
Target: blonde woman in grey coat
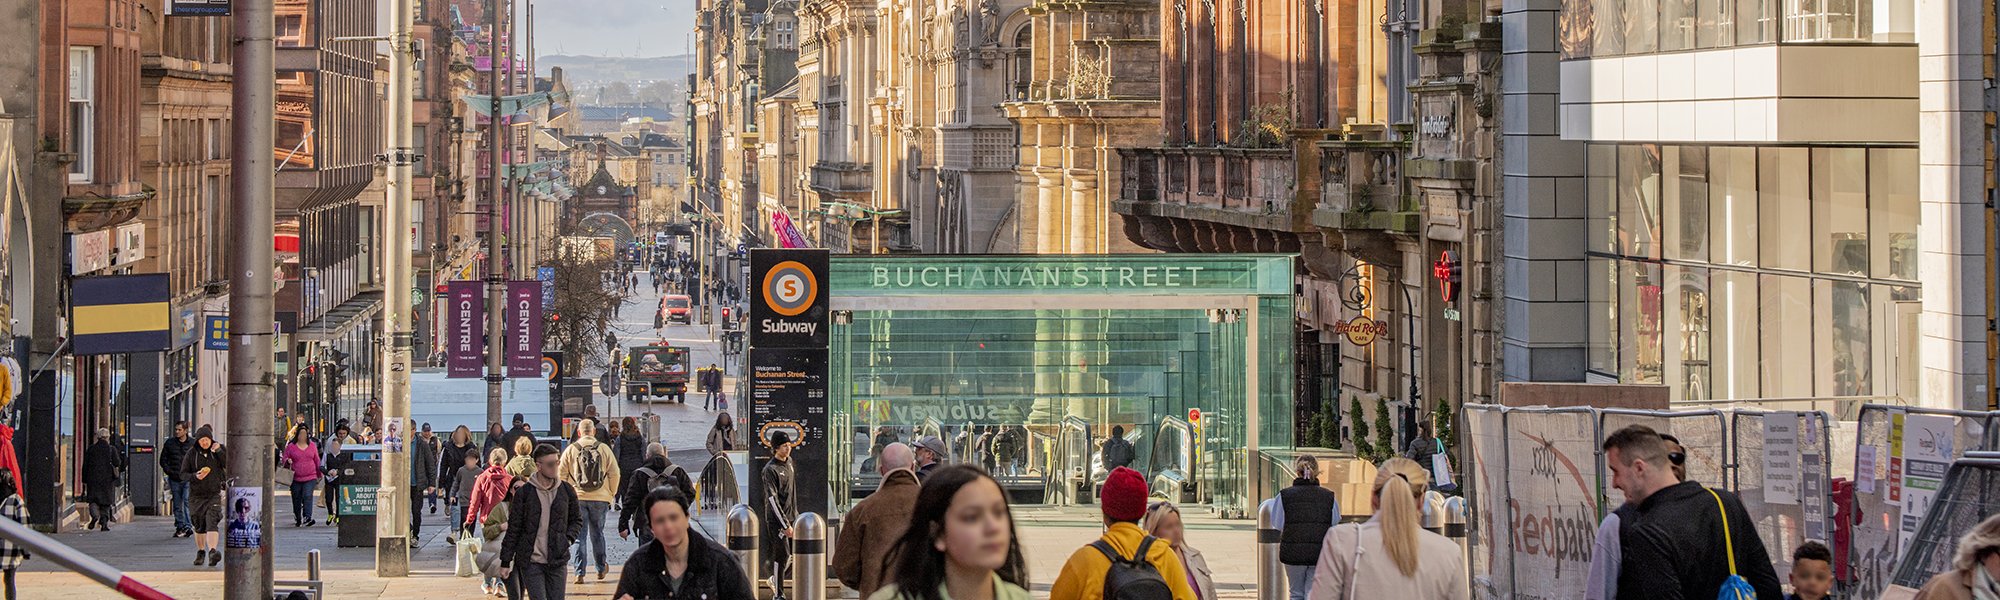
1163, 521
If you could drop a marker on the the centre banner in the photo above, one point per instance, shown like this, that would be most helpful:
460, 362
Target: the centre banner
524, 329
465, 326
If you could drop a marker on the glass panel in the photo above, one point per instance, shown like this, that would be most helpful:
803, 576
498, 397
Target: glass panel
1756, 21
1733, 194
1892, 206
1642, 26
1714, 24
1686, 203
1687, 328
1841, 364
1735, 334
1840, 210
1609, 38
1576, 28
1639, 291
1785, 308
1895, 311
1783, 178
1603, 182
1639, 200
1677, 24
1603, 315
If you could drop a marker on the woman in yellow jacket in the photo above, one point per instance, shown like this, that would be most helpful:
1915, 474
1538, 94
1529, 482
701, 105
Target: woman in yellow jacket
1124, 504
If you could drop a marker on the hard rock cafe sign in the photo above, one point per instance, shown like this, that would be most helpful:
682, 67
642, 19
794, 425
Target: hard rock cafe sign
1361, 330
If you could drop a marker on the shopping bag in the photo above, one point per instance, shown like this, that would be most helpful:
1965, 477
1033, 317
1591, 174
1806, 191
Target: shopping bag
468, 555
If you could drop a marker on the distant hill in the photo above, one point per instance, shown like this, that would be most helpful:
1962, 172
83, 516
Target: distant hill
603, 69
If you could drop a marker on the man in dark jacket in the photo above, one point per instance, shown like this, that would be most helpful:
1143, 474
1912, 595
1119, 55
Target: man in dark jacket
1118, 451
519, 431
171, 454
1674, 549
877, 523
207, 471
711, 572
658, 470
537, 546
1305, 511
780, 506
102, 463
423, 472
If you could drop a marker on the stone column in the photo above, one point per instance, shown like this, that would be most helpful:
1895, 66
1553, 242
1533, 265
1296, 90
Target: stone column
1953, 38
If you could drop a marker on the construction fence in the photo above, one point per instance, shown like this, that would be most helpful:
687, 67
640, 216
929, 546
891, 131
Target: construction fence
1539, 484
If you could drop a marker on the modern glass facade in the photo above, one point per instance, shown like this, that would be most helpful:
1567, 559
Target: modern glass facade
1740, 272
1626, 27
1057, 350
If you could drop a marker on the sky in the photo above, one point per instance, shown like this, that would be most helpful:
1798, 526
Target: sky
613, 27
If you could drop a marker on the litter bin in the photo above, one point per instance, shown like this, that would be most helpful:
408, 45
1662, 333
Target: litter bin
354, 496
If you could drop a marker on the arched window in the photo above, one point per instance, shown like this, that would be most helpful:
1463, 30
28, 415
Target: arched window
1024, 60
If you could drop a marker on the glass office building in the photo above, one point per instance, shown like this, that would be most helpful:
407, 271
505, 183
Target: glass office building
1750, 171
1050, 353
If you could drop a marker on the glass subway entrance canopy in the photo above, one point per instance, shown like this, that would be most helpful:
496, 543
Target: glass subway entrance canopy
1027, 363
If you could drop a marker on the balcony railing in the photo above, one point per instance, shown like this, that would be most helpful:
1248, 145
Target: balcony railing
1259, 187
842, 177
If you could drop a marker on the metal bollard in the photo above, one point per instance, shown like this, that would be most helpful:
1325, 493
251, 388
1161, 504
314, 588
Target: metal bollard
809, 557
1434, 512
1454, 522
742, 530
312, 565
1270, 572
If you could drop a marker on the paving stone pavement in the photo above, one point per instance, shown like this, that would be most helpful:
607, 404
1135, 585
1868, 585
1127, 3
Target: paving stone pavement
145, 549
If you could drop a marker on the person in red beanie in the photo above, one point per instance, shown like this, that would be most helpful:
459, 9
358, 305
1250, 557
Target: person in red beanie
1124, 504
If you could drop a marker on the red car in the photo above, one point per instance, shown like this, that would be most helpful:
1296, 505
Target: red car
676, 309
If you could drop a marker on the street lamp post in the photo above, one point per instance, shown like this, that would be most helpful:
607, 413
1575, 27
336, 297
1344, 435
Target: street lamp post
247, 570
392, 550
495, 267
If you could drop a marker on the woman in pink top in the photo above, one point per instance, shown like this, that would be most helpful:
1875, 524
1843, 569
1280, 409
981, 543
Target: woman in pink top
301, 455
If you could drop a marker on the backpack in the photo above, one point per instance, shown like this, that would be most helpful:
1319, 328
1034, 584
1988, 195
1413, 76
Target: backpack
1134, 579
674, 476
592, 469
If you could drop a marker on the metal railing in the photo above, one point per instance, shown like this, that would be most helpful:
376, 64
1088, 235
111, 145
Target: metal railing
77, 561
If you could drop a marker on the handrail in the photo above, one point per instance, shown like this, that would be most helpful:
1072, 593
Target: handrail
75, 560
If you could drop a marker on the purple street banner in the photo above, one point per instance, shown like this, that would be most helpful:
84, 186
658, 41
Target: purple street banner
524, 329
788, 234
465, 324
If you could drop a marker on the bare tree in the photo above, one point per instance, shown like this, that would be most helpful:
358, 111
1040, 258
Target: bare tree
585, 304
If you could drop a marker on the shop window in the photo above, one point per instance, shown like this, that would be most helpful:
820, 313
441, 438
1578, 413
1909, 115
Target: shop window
1639, 293
1607, 36
1603, 184
1639, 200
1733, 203
1686, 331
1840, 210
1783, 177
1733, 334
1642, 25
1603, 315
1756, 21
1892, 210
1785, 308
1842, 346
1685, 203
1715, 23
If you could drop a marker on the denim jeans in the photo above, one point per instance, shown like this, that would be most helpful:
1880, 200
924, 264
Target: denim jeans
540, 581
302, 499
179, 490
592, 536
1301, 580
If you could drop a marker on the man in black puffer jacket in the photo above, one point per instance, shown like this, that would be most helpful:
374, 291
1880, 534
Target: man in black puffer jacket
537, 547
706, 570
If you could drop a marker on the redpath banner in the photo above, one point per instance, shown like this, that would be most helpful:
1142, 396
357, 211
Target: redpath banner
465, 325
788, 234
524, 329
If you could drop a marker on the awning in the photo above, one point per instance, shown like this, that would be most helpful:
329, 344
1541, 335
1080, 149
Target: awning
342, 318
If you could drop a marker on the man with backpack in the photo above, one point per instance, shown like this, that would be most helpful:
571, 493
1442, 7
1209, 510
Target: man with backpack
657, 471
1687, 541
1124, 564
592, 468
